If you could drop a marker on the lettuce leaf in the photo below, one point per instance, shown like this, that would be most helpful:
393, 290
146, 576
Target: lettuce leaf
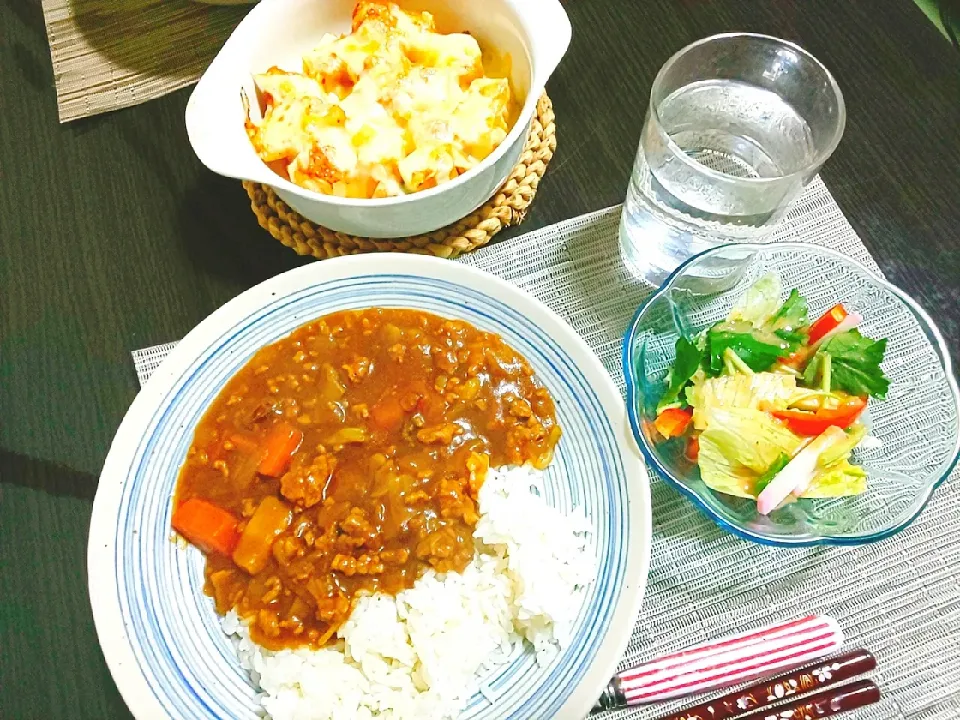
759, 302
841, 451
838, 480
745, 392
738, 446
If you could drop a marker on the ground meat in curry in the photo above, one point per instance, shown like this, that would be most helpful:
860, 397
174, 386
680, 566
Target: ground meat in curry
347, 458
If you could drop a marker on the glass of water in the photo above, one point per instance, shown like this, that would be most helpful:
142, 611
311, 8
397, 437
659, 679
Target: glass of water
737, 125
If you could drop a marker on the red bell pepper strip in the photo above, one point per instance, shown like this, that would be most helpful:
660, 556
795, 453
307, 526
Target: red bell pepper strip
673, 422
827, 322
803, 422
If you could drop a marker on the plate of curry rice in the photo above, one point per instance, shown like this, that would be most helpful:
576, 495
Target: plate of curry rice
380, 486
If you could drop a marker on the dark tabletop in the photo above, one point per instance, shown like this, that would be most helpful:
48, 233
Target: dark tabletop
113, 237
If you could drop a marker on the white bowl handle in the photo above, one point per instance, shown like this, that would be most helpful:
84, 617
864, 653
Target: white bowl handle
215, 128
552, 31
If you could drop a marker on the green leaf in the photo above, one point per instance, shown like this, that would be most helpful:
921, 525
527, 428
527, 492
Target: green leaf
759, 340
854, 364
779, 464
812, 371
759, 348
686, 363
790, 322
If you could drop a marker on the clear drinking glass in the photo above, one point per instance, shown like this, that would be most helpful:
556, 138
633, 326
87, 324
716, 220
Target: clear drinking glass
737, 125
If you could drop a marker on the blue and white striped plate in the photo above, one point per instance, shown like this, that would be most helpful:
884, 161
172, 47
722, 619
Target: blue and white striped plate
160, 634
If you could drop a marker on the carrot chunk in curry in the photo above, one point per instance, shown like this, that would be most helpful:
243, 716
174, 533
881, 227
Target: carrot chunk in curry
346, 459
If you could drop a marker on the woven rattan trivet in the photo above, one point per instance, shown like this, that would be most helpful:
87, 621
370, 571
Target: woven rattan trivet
508, 207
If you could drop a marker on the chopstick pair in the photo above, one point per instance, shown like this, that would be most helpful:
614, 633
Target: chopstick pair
749, 657
780, 698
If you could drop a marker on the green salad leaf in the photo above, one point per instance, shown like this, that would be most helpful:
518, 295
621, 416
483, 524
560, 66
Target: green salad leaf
758, 348
854, 364
758, 337
738, 446
838, 480
759, 302
687, 362
790, 322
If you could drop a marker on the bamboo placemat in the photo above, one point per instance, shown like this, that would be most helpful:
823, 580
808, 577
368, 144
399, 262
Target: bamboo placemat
111, 54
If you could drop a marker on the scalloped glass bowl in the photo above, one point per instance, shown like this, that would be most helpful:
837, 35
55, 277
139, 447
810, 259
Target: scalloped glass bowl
917, 424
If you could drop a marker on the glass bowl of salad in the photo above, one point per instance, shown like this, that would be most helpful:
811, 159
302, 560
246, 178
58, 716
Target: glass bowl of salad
792, 394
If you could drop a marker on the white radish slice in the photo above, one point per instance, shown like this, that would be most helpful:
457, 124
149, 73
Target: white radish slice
848, 323
797, 475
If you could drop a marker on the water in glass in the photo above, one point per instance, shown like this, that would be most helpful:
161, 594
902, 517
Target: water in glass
720, 160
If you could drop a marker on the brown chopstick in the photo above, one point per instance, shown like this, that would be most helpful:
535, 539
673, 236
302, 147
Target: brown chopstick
841, 698
815, 676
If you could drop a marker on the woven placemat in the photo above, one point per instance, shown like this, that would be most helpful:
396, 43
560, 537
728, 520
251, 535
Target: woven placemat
507, 207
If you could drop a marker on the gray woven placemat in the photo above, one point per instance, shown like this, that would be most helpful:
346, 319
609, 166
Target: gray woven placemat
900, 598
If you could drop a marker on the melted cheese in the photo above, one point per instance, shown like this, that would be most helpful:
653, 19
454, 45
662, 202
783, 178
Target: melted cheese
393, 107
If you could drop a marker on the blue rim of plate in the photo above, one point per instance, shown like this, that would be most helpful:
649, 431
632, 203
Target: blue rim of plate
607, 604
627, 359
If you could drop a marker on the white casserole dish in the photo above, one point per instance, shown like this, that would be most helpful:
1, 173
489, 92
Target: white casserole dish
533, 34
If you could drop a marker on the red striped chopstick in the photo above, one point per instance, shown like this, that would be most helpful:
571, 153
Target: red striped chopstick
787, 687
729, 661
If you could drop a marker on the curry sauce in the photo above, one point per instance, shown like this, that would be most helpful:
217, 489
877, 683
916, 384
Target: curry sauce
346, 459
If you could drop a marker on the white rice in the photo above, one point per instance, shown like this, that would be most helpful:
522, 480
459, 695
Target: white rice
421, 654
